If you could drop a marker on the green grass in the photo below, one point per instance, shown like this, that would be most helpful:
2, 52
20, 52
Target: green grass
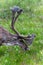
26, 24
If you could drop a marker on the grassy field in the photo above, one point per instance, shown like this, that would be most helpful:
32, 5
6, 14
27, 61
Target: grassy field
29, 22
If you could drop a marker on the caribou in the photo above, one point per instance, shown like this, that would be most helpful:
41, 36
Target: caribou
9, 39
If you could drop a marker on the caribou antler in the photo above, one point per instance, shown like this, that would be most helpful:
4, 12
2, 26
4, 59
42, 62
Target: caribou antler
14, 18
17, 10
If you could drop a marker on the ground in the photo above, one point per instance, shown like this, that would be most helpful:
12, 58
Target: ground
26, 24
